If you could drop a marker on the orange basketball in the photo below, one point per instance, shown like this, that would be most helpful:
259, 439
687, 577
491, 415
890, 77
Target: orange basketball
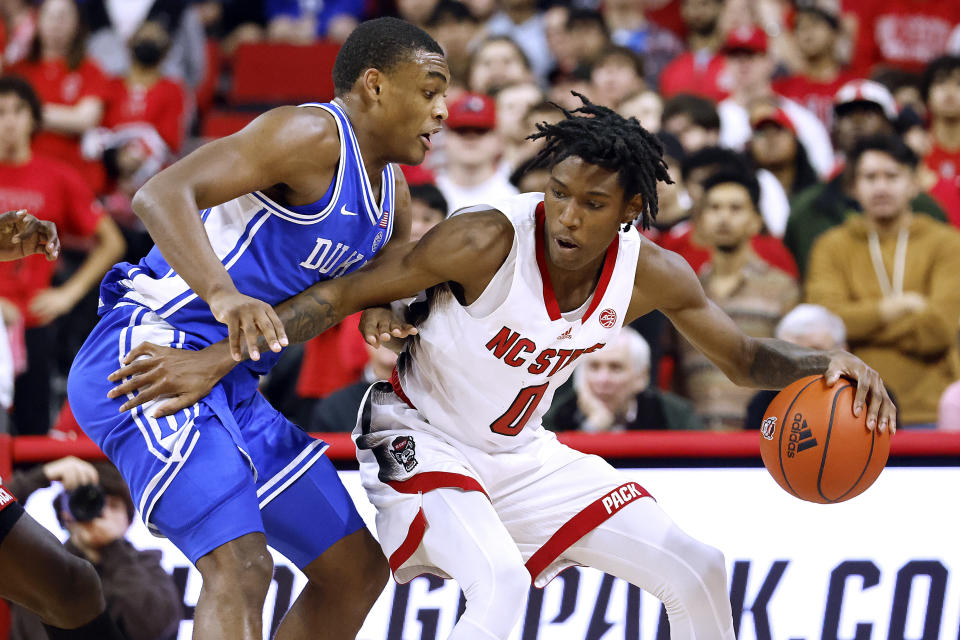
813, 445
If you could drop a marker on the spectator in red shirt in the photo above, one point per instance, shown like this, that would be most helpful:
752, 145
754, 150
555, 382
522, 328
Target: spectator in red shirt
698, 70
19, 26
71, 86
52, 191
816, 32
941, 92
145, 96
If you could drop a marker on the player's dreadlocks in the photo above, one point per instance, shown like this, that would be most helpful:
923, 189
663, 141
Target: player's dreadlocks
603, 137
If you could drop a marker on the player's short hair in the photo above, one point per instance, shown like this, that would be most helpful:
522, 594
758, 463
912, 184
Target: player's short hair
889, 144
733, 176
804, 319
701, 111
937, 71
431, 196
23, 90
379, 44
601, 136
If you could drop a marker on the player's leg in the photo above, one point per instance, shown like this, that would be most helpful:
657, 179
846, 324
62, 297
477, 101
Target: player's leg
465, 539
39, 574
42, 576
314, 522
642, 545
187, 476
236, 576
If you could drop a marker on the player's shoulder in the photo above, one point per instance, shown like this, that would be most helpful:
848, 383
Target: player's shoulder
313, 132
664, 277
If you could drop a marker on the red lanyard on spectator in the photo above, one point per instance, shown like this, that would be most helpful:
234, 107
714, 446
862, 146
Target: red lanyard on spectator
899, 263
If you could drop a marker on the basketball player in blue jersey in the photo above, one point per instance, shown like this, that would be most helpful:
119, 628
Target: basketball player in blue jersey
466, 482
301, 195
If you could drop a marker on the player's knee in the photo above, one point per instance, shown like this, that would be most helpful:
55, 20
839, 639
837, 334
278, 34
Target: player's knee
78, 596
505, 592
240, 568
708, 579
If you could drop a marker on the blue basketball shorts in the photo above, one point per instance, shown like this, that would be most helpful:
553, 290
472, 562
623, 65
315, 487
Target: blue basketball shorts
227, 466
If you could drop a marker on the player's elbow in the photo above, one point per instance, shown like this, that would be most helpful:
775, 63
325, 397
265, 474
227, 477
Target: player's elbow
739, 367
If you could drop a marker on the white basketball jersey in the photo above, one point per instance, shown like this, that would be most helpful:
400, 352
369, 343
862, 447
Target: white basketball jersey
485, 374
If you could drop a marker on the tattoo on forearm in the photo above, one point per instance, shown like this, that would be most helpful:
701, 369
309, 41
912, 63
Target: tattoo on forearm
304, 316
777, 363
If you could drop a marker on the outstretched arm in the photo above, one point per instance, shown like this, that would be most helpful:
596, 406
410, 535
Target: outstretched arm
466, 250
666, 282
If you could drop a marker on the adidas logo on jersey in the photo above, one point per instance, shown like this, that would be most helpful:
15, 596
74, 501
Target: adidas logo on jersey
801, 437
5, 497
566, 335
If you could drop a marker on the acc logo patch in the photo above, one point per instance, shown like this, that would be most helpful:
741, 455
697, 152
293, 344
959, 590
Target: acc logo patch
377, 241
608, 318
768, 428
404, 449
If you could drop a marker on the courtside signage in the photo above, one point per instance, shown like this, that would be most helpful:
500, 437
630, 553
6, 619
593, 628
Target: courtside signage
884, 565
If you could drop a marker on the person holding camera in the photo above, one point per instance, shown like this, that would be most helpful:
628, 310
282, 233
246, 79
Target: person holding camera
96, 509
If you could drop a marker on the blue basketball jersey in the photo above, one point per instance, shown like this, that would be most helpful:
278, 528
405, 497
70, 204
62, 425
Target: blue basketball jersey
271, 252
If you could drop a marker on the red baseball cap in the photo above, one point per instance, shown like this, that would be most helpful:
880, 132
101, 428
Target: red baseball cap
746, 38
472, 111
776, 116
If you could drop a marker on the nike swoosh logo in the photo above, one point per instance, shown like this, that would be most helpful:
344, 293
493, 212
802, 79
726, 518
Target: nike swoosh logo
344, 211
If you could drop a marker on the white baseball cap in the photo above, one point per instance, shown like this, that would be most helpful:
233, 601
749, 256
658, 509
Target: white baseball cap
867, 91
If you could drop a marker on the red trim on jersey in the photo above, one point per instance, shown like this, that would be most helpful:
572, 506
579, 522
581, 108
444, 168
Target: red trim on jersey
549, 297
397, 389
414, 537
581, 524
6, 498
608, 264
430, 480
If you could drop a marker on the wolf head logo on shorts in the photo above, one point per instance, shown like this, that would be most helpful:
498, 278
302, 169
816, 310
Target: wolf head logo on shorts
403, 449
768, 427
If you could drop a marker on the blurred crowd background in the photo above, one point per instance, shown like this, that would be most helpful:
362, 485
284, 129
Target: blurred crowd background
814, 148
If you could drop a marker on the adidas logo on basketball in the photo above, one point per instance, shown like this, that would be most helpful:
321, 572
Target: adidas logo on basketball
801, 437
566, 335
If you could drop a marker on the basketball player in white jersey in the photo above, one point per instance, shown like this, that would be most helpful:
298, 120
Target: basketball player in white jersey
466, 481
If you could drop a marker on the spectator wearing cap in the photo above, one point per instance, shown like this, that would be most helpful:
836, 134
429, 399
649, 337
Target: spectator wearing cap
816, 32
807, 325
630, 28
497, 62
774, 146
522, 22
754, 294
749, 71
456, 30
862, 108
616, 73
140, 595
473, 172
698, 70
941, 93
891, 275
